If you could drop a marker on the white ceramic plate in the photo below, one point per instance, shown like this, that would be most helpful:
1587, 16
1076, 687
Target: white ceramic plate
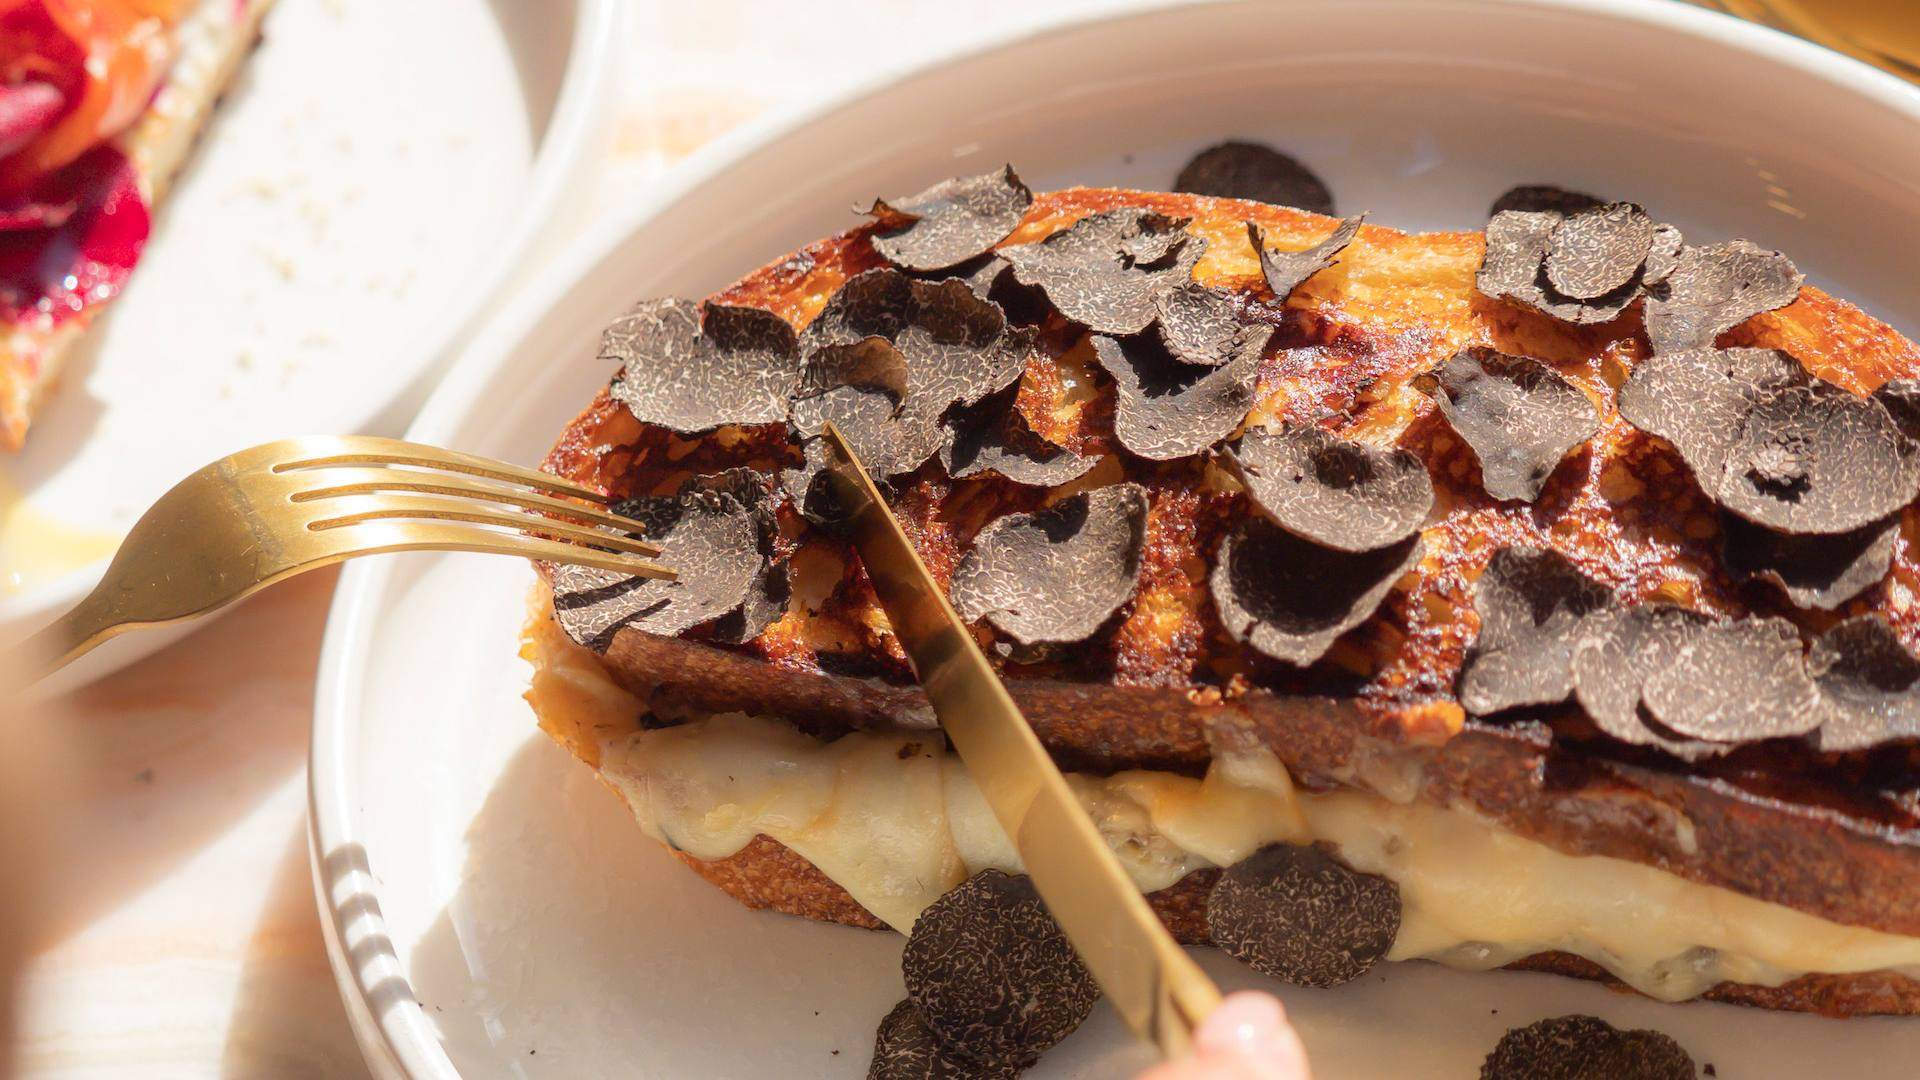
364, 191
495, 913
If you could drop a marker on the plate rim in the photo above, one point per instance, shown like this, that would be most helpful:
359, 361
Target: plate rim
564, 156
399, 1042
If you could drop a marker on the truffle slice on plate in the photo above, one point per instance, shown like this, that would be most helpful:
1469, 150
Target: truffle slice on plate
1238, 169
1534, 198
1297, 914
905, 1049
992, 975
1585, 1048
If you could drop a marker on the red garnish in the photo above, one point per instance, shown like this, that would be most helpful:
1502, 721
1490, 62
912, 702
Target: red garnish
26, 111
105, 58
54, 272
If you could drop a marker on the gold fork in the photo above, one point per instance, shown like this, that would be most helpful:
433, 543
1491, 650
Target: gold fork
283, 508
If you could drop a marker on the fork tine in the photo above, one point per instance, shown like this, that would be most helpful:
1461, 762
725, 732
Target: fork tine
374, 481
377, 451
403, 507
379, 537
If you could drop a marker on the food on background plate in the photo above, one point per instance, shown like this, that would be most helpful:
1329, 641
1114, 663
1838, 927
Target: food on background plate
1536, 598
101, 101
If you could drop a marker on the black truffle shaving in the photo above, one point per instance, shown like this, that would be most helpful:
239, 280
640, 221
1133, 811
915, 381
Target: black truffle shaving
1514, 268
995, 437
1054, 576
991, 973
1713, 289
707, 535
905, 1049
857, 388
1200, 325
1820, 571
1585, 1048
956, 346
1249, 170
1105, 271
1543, 197
1532, 603
889, 441
1734, 682
1167, 409
873, 303
1611, 662
737, 366
1598, 250
1286, 271
1674, 679
991, 278
1335, 492
766, 600
1901, 399
1519, 416
1663, 254
1869, 686
1289, 598
982, 273
952, 221
1771, 443
1298, 915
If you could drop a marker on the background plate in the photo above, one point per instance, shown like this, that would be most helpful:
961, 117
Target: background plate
369, 182
493, 911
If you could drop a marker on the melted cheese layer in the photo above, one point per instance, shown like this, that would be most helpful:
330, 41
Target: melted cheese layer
895, 820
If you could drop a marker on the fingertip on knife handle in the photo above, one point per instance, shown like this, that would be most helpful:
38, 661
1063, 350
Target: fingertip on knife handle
1246, 1038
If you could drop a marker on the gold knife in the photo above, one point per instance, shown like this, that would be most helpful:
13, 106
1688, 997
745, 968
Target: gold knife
1156, 987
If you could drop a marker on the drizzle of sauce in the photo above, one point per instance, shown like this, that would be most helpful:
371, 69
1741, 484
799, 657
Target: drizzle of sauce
36, 547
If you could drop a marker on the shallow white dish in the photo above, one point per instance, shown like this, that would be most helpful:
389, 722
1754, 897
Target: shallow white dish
368, 186
493, 912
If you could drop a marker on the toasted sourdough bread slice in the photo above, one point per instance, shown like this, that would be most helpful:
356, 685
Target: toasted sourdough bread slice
211, 41
1164, 689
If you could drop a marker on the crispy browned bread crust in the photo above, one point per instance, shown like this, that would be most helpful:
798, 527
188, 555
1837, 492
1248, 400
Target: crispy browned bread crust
1164, 686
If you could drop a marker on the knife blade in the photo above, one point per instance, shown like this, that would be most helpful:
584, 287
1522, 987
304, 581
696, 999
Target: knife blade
1151, 981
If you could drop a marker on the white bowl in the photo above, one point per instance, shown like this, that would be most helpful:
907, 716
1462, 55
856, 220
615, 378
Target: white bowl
324, 257
492, 912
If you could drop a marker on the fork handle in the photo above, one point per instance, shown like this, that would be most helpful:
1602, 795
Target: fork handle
66, 639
